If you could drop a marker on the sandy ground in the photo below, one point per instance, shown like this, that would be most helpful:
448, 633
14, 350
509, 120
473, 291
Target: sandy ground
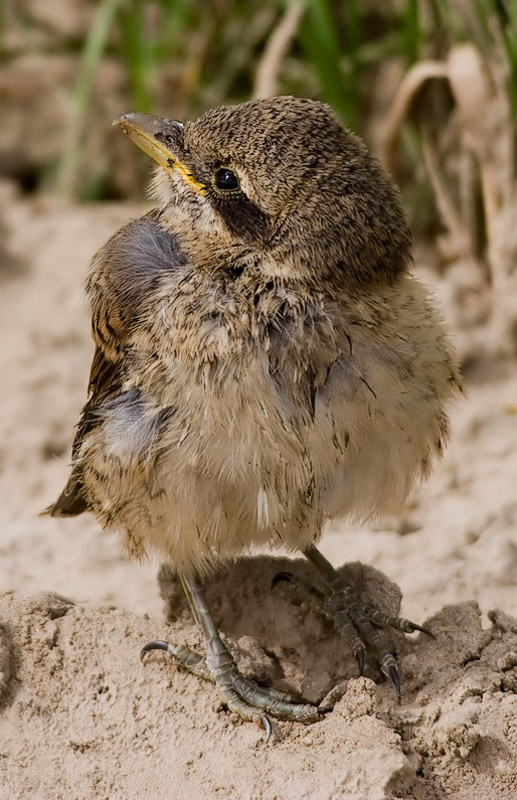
82, 718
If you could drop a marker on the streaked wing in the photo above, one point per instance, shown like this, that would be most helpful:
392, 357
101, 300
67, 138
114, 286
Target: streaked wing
121, 276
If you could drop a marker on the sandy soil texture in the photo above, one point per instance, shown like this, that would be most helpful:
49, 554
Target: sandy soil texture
81, 717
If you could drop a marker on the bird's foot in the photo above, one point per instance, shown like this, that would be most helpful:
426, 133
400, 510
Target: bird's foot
355, 622
239, 694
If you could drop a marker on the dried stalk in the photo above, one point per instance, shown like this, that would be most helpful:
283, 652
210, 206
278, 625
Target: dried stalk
277, 47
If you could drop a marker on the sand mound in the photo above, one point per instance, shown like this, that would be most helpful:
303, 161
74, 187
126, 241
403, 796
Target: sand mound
84, 718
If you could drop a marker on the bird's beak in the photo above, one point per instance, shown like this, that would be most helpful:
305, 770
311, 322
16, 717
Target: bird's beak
154, 135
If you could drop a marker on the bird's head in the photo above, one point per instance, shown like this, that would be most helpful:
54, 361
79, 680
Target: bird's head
282, 182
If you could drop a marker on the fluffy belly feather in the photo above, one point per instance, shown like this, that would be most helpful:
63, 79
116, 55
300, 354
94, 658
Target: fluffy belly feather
208, 473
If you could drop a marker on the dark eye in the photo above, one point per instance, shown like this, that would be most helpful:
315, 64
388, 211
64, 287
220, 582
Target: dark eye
225, 179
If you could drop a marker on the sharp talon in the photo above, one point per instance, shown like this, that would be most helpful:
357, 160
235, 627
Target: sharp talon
394, 675
360, 661
281, 576
268, 728
158, 645
420, 629
324, 709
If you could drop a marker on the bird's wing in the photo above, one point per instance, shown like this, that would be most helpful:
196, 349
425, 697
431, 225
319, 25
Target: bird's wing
105, 381
120, 278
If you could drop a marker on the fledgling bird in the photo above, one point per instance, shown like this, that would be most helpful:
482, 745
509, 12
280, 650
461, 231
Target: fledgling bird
264, 363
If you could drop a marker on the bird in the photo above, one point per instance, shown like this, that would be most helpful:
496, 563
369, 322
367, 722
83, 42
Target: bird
265, 362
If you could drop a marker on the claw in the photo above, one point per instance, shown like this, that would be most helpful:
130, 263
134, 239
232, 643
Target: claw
394, 675
424, 630
325, 710
360, 661
268, 728
158, 645
281, 576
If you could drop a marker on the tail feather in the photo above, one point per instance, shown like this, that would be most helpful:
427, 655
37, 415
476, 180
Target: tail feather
71, 502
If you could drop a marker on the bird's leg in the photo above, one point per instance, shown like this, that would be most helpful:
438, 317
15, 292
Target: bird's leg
241, 695
355, 622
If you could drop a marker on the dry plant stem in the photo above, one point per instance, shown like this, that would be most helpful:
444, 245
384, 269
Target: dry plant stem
468, 209
461, 240
408, 89
277, 47
473, 89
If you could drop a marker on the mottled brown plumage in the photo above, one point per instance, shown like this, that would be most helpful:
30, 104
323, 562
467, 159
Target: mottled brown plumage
264, 359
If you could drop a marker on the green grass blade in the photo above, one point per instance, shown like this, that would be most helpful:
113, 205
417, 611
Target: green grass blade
137, 53
68, 165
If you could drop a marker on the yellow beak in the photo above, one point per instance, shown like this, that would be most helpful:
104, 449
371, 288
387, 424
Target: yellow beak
148, 131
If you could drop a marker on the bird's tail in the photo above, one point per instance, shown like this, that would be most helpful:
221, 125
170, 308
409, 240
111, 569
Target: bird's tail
71, 502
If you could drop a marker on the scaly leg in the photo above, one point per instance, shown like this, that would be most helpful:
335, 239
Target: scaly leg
241, 695
356, 623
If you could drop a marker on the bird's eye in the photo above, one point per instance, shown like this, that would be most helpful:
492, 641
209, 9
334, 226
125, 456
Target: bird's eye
226, 180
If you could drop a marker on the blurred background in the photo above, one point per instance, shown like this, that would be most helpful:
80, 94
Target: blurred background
430, 84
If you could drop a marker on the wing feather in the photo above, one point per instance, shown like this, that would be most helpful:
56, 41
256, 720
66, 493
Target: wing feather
121, 276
